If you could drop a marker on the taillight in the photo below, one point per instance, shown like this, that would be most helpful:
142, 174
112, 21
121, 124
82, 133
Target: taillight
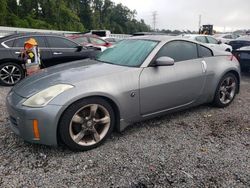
232, 57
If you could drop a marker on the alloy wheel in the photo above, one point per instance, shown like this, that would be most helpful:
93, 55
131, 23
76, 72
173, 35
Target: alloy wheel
227, 90
90, 124
10, 74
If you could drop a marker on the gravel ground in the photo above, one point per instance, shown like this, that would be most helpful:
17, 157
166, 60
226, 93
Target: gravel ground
201, 147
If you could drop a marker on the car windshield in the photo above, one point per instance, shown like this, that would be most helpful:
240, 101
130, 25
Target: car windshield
130, 53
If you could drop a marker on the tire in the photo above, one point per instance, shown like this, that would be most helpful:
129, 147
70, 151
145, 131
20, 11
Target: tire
226, 90
228, 50
11, 74
81, 130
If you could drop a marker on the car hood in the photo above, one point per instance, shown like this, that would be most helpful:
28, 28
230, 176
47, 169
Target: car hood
70, 73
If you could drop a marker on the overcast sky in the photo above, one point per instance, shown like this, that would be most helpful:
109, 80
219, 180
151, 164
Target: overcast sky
225, 15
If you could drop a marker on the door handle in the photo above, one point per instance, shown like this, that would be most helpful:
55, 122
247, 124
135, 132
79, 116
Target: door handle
57, 53
204, 66
17, 53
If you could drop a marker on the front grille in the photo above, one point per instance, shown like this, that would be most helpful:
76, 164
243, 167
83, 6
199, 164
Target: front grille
13, 121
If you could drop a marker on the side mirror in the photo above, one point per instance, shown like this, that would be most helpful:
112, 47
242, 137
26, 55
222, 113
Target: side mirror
219, 42
164, 61
79, 48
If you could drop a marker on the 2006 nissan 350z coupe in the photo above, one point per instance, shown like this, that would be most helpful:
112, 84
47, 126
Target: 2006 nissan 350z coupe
81, 103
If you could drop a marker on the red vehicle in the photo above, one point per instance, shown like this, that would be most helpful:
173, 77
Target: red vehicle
90, 40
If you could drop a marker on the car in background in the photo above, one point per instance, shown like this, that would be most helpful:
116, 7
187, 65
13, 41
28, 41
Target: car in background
54, 49
243, 56
91, 40
226, 37
209, 41
240, 42
137, 79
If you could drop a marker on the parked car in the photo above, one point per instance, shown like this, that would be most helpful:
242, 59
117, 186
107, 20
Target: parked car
54, 49
137, 79
226, 37
209, 41
91, 40
243, 55
240, 42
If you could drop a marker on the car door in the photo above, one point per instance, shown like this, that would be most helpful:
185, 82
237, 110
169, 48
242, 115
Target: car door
167, 87
18, 45
64, 50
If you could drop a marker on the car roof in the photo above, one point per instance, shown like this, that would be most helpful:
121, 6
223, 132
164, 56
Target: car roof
196, 35
7, 37
155, 37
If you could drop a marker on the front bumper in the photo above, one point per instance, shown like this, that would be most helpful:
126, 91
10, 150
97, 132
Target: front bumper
21, 120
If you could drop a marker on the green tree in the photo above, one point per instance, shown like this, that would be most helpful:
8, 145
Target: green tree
74, 15
3, 11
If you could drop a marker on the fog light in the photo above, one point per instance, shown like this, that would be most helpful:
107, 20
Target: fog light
36, 130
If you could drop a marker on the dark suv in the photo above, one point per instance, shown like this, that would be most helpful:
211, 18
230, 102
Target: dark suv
54, 49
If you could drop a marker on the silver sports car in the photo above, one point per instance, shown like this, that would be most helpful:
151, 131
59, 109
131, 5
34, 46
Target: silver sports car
81, 103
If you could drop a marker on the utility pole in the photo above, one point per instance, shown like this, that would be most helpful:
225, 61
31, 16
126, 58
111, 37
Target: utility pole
154, 15
199, 24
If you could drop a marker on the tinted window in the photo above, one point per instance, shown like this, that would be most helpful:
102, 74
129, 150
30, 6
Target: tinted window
212, 40
179, 50
58, 42
201, 39
9, 43
97, 41
20, 41
204, 52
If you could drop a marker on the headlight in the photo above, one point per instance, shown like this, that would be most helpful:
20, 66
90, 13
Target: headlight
43, 97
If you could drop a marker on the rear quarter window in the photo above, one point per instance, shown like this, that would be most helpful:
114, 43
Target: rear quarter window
204, 51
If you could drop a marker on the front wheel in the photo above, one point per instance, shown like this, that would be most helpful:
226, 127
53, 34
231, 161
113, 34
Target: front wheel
226, 90
86, 124
10, 74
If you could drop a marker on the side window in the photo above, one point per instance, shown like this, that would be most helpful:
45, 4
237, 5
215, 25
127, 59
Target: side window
9, 43
228, 37
212, 40
58, 42
204, 52
19, 42
201, 39
97, 41
179, 50
40, 41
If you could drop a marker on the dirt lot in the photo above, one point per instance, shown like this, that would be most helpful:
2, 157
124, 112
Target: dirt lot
201, 147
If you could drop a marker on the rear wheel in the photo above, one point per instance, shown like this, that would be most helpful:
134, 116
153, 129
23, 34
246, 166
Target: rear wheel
10, 74
226, 90
86, 124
